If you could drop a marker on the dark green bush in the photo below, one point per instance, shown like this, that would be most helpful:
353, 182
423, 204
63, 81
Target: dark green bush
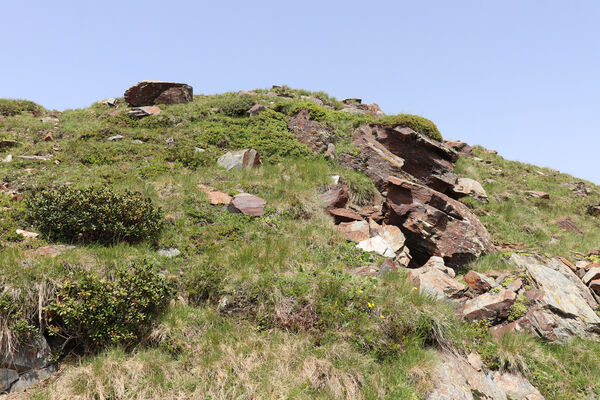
13, 107
236, 105
414, 122
95, 214
93, 312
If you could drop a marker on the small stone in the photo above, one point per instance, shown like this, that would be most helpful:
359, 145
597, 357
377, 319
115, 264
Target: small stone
7, 159
48, 137
537, 194
378, 245
52, 120
330, 151
475, 361
591, 275
470, 187
489, 306
27, 234
240, 159
115, 137
569, 226
344, 215
355, 231
169, 253
335, 179
337, 196
255, 110
478, 283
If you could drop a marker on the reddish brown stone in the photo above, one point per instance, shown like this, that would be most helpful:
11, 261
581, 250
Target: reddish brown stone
595, 286
477, 282
568, 264
395, 151
248, 204
569, 226
537, 194
489, 306
148, 93
337, 196
344, 215
355, 231
435, 224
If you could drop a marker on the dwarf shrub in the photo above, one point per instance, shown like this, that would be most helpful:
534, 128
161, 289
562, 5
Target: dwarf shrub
9, 108
93, 312
414, 122
236, 105
95, 214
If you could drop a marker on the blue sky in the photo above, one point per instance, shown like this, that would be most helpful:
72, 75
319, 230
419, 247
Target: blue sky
522, 77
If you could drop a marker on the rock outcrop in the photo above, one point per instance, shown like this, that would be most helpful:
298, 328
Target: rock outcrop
401, 152
434, 224
149, 93
26, 366
311, 133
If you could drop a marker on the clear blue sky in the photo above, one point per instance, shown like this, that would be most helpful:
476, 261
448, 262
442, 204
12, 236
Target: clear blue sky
522, 77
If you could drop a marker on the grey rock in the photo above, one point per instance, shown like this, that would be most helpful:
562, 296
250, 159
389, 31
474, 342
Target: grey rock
247, 158
7, 378
470, 187
170, 252
29, 356
115, 137
435, 282
31, 378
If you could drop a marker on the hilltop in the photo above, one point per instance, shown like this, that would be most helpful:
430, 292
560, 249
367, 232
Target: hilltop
253, 245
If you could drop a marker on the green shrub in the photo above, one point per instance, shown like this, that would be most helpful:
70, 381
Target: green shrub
95, 312
9, 108
236, 105
95, 214
414, 122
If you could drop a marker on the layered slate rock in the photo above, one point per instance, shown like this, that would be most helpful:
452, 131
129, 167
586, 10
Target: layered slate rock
489, 306
240, 159
336, 196
314, 135
25, 366
455, 378
149, 93
461, 147
396, 151
563, 305
434, 224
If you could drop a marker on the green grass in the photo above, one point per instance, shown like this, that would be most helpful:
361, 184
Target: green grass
265, 307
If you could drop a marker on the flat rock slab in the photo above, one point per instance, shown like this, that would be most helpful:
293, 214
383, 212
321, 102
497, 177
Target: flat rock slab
217, 198
493, 306
569, 226
248, 204
148, 93
336, 196
344, 215
355, 231
537, 194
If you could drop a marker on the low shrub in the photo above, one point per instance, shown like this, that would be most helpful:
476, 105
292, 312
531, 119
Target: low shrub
95, 214
9, 107
204, 282
414, 122
93, 312
236, 105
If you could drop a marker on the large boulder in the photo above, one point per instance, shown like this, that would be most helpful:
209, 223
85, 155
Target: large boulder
563, 306
25, 366
148, 93
434, 224
395, 151
240, 159
311, 133
247, 204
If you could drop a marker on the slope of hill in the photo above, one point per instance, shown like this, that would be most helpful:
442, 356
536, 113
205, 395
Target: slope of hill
148, 286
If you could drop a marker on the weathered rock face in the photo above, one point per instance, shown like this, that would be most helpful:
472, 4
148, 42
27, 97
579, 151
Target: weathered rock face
478, 283
563, 305
493, 306
311, 133
148, 93
401, 152
247, 204
434, 224
456, 379
463, 148
247, 158
26, 366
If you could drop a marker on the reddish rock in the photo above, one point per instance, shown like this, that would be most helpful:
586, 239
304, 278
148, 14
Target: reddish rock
344, 215
219, 198
478, 283
355, 231
461, 147
435, 282
255, 110
569, 226
373, 212
489, 306
537, 194
330, 151
395, 151
337, 196
48, 137
148, 93
595, 286
591, 275
434, 224
311, 133
248, 204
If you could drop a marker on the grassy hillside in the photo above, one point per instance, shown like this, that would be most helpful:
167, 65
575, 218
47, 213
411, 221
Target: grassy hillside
252, 307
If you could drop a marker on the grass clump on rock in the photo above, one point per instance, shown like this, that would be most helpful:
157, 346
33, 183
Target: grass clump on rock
414, 122
95, 214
